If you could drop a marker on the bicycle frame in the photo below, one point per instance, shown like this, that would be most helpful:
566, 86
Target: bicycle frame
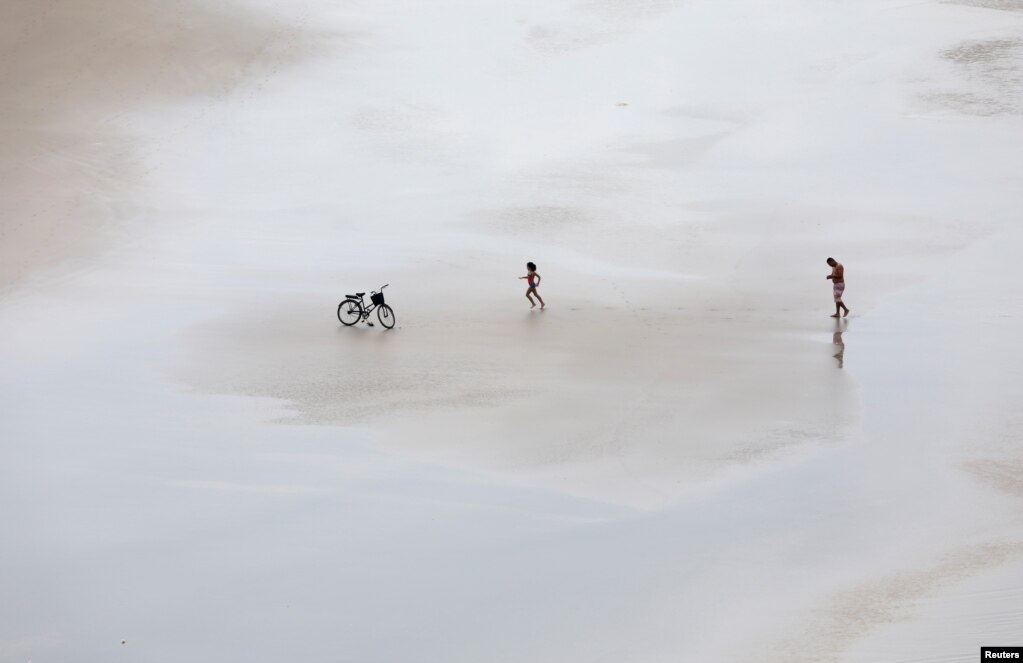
366, 310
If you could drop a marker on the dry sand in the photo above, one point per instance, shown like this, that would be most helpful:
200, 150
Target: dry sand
682, 458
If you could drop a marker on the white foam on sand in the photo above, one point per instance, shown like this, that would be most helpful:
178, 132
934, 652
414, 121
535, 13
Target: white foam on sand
682, 458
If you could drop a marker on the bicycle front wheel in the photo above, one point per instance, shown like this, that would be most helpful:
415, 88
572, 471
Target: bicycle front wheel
349, 312
385, 314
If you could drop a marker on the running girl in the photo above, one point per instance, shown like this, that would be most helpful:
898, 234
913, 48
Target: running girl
534, 282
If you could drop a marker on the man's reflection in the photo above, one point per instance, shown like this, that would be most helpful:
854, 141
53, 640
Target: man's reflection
837, 341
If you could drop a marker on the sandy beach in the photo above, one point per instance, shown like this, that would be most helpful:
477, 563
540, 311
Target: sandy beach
682, 458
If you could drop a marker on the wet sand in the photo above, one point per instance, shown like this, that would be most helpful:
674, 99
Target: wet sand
634, 403
75, 75
683, 456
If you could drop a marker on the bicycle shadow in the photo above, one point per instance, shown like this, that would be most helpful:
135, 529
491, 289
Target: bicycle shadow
366, 332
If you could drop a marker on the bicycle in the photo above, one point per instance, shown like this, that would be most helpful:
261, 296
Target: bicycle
353, 308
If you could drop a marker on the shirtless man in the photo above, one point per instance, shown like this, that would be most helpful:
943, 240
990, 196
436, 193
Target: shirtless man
837, 278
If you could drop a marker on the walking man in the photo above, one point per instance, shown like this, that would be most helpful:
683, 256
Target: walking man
837, 278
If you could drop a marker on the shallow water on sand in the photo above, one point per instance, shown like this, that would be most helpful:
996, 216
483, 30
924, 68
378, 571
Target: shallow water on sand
682, 456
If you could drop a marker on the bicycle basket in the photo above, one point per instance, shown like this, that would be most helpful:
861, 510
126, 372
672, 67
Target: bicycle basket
377, 298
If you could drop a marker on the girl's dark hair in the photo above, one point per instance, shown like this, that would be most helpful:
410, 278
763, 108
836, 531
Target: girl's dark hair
531, 265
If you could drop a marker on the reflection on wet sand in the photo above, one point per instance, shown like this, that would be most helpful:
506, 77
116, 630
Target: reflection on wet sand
836, 340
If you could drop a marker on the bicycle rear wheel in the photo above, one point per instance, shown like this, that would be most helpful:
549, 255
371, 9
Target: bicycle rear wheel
385, 314
349, 312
